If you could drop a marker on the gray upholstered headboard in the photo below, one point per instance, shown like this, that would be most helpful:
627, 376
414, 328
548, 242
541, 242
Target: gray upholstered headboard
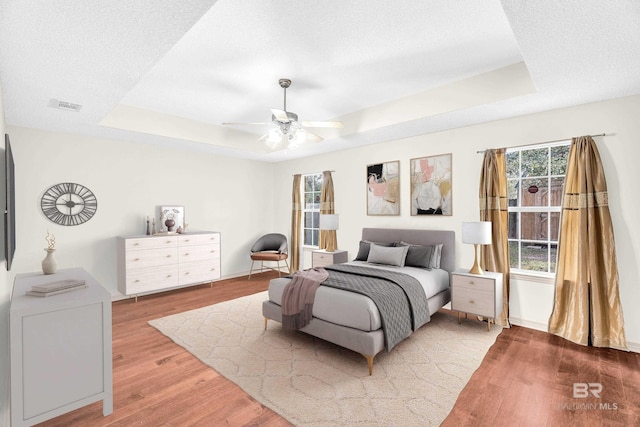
418, 237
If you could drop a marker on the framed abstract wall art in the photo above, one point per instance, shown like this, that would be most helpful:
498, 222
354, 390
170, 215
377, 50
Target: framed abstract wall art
431, 185
383, 188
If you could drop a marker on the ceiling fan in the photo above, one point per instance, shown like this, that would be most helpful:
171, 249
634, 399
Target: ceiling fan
287, 131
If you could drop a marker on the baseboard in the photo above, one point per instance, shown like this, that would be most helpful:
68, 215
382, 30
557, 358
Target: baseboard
538, 326
633, 346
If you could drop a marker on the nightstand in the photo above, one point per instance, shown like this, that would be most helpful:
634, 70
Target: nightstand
477, 294
321, 258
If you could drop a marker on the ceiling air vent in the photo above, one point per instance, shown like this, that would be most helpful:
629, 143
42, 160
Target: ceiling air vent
64, 105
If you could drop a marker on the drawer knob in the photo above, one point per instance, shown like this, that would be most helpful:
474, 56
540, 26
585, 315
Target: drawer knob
186, 240
136, 244
186, 273
472, 301
168, 256
136, 259
168, 275
136, 281
471, 282
187, 254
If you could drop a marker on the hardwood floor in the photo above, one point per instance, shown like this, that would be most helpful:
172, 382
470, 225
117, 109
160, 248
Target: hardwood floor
525, 379
158, 383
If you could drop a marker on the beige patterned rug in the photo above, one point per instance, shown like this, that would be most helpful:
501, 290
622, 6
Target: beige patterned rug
311, 382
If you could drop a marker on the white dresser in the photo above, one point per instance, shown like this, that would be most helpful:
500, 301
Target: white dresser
60, 348
149, 264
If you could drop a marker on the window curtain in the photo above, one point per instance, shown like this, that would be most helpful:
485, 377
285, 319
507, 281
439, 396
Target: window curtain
326, 207
493, 208
587, 306
296, 222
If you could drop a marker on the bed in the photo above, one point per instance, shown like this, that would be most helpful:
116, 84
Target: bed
352, 320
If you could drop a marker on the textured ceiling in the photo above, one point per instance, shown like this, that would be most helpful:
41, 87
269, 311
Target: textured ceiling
170, 73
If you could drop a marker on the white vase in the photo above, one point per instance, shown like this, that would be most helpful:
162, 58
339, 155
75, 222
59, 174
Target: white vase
49, 265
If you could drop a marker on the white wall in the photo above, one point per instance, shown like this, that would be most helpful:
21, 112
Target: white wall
130, 181
531, 302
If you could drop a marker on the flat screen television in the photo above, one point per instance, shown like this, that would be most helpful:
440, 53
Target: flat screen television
10, 204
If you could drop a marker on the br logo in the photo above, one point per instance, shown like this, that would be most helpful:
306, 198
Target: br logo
582, 390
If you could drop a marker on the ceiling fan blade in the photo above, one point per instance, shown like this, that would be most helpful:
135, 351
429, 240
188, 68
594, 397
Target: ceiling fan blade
280, 115
312, 124
312, 137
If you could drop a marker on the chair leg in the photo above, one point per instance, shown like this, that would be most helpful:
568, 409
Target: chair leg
288, 268
251, 270
278, 268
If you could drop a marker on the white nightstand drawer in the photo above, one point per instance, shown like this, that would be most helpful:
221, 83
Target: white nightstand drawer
324, 258
471, 283
474, 301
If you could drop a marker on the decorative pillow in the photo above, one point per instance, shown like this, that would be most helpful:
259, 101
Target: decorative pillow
437, 254
388, 255
363, 250
418, 256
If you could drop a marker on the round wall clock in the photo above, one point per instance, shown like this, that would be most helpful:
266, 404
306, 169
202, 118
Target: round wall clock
69, 204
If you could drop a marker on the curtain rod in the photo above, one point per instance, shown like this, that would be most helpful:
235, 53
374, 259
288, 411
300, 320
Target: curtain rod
545, 142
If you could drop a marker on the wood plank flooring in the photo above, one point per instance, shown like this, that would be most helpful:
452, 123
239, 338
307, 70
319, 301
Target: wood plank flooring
524, 379
158, 383
527, 377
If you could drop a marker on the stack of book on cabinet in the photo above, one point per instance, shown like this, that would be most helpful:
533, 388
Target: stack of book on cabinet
54, 288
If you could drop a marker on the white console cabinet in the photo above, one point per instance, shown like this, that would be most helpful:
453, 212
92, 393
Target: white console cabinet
149, 264
60, 348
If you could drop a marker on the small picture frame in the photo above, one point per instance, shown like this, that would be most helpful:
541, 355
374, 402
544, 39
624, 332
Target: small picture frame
431, 185
383, 188
174, 213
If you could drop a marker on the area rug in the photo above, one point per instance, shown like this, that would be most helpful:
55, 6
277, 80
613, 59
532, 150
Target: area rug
311, 382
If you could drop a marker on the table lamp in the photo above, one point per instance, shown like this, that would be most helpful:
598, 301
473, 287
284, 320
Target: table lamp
329, 222
476, 233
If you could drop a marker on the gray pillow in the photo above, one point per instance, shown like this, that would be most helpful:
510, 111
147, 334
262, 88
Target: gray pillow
363, 250
388, 255
418, 256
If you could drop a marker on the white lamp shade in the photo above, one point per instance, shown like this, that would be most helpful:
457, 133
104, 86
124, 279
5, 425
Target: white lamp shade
477, 233
328, 221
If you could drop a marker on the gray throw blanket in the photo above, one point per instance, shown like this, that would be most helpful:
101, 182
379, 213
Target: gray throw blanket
399, 297
298, 297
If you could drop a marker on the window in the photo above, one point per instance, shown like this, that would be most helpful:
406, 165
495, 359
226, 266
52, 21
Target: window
535, 180
311, 210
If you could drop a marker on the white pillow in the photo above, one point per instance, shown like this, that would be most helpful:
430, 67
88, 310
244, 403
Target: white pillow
435, 257
388, 255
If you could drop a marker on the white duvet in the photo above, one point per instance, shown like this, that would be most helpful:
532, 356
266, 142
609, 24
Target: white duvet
356, 310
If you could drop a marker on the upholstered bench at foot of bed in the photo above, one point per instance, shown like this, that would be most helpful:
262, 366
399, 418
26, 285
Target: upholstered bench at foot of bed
366, 343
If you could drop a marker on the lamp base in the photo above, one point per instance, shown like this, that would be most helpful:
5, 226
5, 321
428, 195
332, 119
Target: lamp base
476, 265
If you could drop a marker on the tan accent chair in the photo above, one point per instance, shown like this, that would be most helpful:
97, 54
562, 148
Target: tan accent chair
270, 247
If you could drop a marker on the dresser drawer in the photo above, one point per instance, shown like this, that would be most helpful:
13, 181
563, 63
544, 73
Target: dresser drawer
150, 258
196, 272
198, 239
151, 279
151, 243
471, 283
474, 301
198, 253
